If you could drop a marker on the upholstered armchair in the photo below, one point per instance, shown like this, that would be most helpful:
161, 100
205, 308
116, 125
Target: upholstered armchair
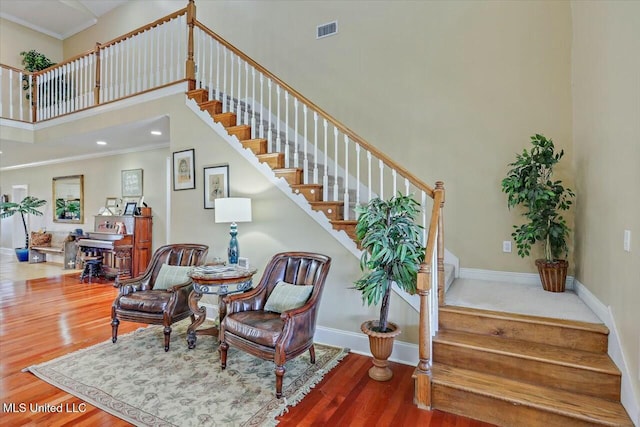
160, 295
277, 319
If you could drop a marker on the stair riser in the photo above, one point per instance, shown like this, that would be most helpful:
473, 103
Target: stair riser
497, 411
349, 229
257, 146
275, 161
225, 119
573, 379
311, 194
211, 107
292, 178
198, 95
333, 212
540, 333
241, 132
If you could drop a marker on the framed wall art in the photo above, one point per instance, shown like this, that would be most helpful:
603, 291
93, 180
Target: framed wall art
184, 173
130, 209
132, 183
216, 184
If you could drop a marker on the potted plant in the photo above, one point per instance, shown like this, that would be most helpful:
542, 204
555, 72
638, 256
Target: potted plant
33, 61
28, 205
393, 251
529, 183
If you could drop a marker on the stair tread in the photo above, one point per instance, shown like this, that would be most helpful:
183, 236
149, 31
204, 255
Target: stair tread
525, 318
344, 221
596, 362
586, 408
265, 155
325, 203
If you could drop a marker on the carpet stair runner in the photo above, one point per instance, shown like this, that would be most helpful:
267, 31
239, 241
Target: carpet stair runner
276, 161
518, 370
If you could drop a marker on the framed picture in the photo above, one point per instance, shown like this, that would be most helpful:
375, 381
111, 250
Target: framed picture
184, 170
216, 184
130, 208
111, 206
132, 183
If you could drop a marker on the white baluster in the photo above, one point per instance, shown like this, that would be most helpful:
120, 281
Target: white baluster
232, 88
295, 149
278, 120
10, 94
370, 182
335, 164
395, 187
269, 131
218, 72
172, 54
357, 175
423, 203
210, 79
261, 105
286, 129
145, 68
325, 175
406, 187
381, 168
305, 140
225, 97
238, 110
253, 108
315, 147
246, 94
345, 214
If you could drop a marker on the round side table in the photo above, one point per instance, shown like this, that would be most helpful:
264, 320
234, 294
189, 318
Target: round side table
214, 280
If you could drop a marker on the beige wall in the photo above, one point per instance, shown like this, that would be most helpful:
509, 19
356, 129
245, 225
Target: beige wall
17, 38
606, 93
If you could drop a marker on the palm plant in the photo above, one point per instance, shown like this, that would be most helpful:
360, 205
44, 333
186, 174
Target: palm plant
393, 250
28, 205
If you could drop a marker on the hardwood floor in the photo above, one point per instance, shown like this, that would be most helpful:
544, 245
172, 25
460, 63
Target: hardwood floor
43, 319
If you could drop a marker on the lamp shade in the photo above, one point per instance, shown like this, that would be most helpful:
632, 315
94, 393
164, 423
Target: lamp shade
233, 209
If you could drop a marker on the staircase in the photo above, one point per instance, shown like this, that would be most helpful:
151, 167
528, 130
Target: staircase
518, 370
333, 210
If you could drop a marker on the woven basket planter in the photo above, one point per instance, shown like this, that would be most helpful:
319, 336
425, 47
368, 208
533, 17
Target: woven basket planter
553, 274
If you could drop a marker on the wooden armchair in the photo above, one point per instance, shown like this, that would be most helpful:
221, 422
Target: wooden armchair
160, 295
260, 323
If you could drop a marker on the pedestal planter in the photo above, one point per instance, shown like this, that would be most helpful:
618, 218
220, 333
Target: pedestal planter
553, 274
381, 346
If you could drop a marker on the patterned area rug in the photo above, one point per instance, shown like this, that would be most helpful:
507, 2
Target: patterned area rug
136, 380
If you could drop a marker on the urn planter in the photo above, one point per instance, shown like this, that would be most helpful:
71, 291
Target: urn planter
381, 346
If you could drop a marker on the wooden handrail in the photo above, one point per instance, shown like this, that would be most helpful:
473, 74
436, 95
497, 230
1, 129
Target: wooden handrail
144, 28
344, 129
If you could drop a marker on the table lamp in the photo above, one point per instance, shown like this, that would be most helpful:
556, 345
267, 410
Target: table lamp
233, 209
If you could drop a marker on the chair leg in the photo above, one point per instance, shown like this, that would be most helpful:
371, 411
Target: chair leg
312, 354
222, 348
167, 337
279, 374
114, 329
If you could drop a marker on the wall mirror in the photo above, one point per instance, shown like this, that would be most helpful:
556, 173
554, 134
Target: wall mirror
68, 194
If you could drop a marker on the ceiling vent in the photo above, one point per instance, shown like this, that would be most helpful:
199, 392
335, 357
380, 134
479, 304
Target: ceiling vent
326, 30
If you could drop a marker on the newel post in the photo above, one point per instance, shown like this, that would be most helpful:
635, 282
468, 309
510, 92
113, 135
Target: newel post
96, 89
34, 100
190, 70
422, 373
440, 245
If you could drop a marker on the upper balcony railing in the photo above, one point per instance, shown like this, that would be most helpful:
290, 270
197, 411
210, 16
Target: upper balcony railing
178, 48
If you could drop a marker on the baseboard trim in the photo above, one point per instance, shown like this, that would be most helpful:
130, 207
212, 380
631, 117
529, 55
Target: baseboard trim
506, 276
357, 342
627, 394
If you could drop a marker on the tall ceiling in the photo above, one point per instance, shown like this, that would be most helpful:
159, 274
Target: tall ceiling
56, 18
62, 19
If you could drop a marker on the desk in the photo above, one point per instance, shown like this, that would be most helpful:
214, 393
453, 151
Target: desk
217, 280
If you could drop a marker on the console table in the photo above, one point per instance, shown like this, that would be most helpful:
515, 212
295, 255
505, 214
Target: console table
214, 280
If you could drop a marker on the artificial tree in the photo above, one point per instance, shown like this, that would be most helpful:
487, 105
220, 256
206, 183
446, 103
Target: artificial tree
28, 205
530, 184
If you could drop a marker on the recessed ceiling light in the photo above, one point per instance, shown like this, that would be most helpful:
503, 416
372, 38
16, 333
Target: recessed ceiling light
156, 132
101, 142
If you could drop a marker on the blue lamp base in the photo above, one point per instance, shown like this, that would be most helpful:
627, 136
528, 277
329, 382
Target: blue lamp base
234, 249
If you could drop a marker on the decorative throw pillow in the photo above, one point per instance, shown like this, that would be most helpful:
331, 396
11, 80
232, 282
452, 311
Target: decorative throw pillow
40, 239
286, 296
171, 275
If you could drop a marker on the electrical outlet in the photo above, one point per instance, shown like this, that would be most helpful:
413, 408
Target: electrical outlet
506, 246
627, 240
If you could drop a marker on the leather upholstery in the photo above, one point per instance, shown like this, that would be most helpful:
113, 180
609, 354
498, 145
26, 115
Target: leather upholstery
137, 301
274, 336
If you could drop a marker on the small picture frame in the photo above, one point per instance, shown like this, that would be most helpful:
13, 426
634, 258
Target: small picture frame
184, 170
216, 184
132, 183
110, 206
130, 208
243, 262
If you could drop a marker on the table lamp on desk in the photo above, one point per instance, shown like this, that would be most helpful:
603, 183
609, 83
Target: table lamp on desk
233, 210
